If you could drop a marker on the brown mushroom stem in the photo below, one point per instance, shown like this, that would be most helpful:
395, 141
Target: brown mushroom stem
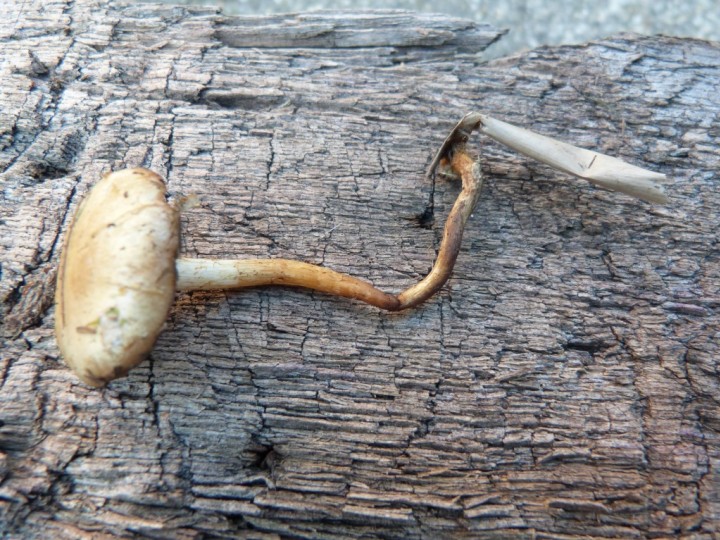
209, 274
213, 274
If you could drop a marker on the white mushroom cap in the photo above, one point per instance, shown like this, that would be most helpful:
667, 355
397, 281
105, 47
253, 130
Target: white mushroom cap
116, 279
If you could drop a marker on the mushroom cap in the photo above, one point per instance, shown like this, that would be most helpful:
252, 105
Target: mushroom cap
117, 275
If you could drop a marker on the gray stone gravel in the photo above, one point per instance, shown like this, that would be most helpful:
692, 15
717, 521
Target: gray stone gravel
531, 22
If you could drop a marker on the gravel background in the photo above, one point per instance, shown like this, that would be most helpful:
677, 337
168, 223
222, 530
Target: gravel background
531, 22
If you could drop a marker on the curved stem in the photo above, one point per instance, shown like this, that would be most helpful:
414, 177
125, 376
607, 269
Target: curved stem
207, 274
469, 172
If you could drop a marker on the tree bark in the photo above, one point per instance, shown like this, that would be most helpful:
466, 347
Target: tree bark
563, 383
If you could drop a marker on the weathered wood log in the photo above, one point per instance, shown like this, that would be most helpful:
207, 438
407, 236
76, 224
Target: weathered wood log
564, 382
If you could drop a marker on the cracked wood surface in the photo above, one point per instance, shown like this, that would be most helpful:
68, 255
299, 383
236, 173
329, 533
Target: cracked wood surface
563, 383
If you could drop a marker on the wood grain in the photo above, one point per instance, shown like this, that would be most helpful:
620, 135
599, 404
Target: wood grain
562, 384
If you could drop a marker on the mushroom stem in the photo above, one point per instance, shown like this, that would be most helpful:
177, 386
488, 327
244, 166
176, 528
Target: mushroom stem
210, 274
213, 274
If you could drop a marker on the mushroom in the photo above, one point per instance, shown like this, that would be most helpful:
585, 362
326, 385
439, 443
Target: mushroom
119, 267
